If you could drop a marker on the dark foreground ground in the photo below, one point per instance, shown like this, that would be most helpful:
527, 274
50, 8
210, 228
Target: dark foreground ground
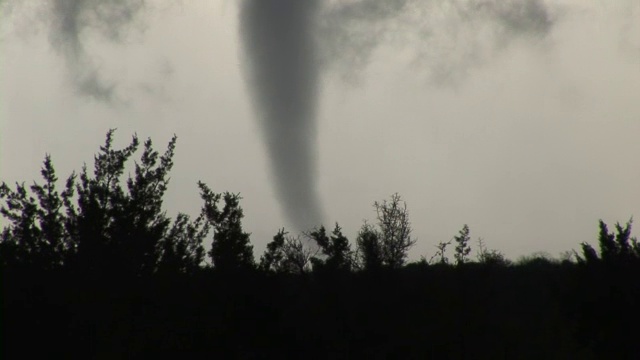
537, 311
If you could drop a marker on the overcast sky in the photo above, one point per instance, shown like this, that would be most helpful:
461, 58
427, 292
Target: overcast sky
522, 120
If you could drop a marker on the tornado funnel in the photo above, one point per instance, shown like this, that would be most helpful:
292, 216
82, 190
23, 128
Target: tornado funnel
282, 70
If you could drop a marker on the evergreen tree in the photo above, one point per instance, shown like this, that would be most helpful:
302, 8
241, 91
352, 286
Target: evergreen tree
181, 250
231, 248
635, 246
95, 225
22, 239
53, 242
97, 219
462, 245
274, 256
143, 223
614, 247
369, 248
608, 246
336, 250
589, 254
623, 239
36, 235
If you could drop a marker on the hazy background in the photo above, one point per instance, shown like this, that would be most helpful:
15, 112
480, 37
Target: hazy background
529, 139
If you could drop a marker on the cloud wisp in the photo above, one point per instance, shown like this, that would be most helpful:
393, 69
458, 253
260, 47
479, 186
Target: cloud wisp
69, 22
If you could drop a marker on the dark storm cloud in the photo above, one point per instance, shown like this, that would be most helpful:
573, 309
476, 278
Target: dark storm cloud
71, 24
522, 17
351, 30
446, 37
278, 38
70, 20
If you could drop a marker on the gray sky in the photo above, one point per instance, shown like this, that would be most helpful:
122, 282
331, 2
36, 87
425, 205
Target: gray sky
525, 130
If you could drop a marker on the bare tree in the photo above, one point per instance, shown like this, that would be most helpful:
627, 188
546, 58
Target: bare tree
395, 230
440, 256
286, 254
298, 256
335, 249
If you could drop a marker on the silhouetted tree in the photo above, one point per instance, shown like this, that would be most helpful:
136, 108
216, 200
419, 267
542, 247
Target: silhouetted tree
231, 248
614, 247
98, 220
635, 246
491, 257
540, 258
104, 227
100, 225
369, 248
440, 256
143, 224
36, 235
395, 230
181, 249
297, 255
589, 254
286, 254
623, 238
609, 249
336, 250
462, 245
274, 256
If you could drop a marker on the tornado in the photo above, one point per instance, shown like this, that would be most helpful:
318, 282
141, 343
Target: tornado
286, 44
282, 69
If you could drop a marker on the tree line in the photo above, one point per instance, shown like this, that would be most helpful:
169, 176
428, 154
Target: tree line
97, 223
102, 247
